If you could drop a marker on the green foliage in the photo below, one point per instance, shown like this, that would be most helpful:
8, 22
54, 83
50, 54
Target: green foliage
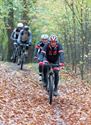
69, 21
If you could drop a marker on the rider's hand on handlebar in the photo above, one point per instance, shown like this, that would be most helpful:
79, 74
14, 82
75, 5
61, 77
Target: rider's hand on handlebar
62, 65
23, 44
45, 62
29, 44
35, 58
41, 63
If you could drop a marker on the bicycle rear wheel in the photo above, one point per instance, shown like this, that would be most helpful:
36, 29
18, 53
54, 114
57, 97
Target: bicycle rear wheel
50, 87
21, 65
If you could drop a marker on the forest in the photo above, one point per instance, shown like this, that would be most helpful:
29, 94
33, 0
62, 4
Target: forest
70, 20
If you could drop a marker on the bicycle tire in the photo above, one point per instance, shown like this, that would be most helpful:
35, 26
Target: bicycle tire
21, 63
14, 60
14, 57
17, 55
50, 88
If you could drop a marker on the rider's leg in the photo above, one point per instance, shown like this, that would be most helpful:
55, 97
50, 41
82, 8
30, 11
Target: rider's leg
45, 69
19, 54
56, 82
40, 72
26, 51
13, 57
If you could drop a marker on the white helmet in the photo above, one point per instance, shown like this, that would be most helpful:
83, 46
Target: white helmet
44, 36
20, 25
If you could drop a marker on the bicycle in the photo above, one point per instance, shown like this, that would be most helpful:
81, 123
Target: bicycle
50, 80
23, 55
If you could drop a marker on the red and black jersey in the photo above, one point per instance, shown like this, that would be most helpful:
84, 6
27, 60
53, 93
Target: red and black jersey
53, 54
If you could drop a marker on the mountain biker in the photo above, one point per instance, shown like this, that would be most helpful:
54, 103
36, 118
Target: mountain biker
14, 37
38, 48
15, 33
52, 53
25, 38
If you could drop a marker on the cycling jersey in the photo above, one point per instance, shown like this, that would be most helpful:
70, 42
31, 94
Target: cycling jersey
25, 37
15, 34
38, 48
52, 54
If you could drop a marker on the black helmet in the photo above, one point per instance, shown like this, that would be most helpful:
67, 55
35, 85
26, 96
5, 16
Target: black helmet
26, 28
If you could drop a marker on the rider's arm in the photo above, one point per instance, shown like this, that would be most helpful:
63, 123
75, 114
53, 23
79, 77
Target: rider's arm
37, 46
30, 38
19, 37
12, 37
42, 56
61, 53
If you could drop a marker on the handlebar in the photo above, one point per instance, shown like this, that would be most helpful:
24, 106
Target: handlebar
23, 44
51, 65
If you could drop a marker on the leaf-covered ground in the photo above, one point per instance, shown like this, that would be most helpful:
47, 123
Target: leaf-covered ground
23, 100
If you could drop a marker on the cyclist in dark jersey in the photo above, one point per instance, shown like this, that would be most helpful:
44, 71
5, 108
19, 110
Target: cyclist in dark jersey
52, 53
14, 37
38, 48
25, 38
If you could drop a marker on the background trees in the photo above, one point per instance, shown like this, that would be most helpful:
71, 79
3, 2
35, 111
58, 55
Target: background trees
68, 19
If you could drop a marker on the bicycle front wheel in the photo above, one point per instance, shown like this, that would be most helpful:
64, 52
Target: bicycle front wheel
22, 62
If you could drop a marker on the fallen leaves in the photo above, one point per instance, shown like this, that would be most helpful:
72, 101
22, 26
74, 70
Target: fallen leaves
23, 100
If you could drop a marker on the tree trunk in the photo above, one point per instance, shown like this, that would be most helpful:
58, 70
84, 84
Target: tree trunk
9, 26
83, 48
25, 16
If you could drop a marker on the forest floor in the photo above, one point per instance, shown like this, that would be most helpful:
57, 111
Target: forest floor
23, 100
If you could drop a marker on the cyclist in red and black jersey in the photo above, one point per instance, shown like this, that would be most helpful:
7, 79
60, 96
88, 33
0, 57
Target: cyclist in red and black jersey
52, 53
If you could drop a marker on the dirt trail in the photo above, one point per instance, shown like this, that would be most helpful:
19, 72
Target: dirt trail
23, 101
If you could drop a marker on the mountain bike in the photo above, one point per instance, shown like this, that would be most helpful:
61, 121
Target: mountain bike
23, 55
50, 80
